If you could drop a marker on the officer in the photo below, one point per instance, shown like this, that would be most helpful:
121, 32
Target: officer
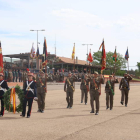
94, 91
41, 91
109, 89
69, 89
124, 87
3, 86
85, 88
30, 94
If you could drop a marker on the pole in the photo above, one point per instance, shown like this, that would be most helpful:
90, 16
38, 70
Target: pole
46, 67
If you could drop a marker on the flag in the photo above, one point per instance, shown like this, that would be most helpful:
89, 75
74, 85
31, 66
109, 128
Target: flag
1, 60
73, 52
32, 54
37, 52
103, 58
44, 51
90, 58
115, 56
126, 55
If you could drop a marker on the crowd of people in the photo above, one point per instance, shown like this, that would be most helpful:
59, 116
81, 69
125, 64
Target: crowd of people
34, 88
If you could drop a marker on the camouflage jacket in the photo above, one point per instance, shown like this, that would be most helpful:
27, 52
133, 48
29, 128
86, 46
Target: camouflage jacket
84, 84
110, 85
125, 83
40, 82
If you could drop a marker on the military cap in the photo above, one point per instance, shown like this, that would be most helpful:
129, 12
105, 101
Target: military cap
1, 74
30, 74
110, 75
125, 73
95, 72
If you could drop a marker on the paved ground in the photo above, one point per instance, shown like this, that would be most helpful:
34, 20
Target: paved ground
122, 123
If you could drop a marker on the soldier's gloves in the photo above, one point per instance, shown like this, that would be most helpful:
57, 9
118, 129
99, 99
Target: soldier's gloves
35, 98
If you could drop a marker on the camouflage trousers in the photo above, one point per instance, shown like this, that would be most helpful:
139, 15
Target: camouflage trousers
41, 100
69, 98
94, 96
124, 94
109, 98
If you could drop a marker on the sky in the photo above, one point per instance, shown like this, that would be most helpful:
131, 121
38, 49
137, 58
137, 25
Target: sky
71, 21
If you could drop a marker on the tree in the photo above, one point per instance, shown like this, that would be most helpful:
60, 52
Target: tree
138, 65
110, 64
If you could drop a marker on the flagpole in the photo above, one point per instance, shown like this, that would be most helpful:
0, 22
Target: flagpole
45, 66
115, 70
128, 61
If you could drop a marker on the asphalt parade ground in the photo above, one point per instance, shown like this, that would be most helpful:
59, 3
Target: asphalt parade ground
60, 123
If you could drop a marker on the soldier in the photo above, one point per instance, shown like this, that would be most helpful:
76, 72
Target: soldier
16, 74
20, 75
3, 86
10, 76
41, 91
109, 89
85, 88
30, 94
94, 91
13, 72
69, 89
6, 74
124, 87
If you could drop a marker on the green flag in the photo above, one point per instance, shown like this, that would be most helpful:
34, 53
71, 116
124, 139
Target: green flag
115, 56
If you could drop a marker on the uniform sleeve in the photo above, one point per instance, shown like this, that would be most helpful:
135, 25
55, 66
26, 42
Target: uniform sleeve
24, 86
35, 90
102, 80
65, 85
116, 81
129, 78
6, 85
120, 84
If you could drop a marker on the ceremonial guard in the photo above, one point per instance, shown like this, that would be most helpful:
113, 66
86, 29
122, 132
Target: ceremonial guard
124, 87
94, 91
41, 91
30, 94
84, 88
109, 89
69, 89
3, 86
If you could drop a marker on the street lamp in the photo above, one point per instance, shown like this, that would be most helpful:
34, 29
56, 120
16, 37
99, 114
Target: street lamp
37, 34
87, 50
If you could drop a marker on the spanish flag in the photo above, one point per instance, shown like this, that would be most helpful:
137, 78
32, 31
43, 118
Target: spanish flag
73, 52
103, 59
1, 60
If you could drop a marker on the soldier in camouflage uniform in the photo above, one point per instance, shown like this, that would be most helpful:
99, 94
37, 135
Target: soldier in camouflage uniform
69, 89
10, 76
85, 88
94, 91
109, 89
124, 87
41, 91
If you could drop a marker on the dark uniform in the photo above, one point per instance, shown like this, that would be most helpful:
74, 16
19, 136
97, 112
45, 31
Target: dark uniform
109, 89
41, 93
3, 86
30, 93
69, 89
94, 93
84, 89
124, 87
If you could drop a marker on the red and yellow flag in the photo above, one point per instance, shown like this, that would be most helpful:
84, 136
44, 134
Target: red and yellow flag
103, 58
90, 58
1, 60
73, 52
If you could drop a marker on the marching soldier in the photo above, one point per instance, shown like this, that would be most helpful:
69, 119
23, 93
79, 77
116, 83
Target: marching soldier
69, 89
109, 89
10, 76
41, 91
94, 91
30, 94
124, 87
84, 88
3, 86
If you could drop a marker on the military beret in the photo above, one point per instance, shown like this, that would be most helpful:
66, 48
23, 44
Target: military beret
125, 73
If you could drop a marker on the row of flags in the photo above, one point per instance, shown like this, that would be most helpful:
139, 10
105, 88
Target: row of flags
103, 57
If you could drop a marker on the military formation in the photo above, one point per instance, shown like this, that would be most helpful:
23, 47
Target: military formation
35, 89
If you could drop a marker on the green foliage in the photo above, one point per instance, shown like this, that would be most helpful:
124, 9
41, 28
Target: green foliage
8, 105
109, 60
138, 65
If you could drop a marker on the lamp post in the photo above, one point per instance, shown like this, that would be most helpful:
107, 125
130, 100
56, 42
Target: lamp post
37, 34
37, 66
87, 50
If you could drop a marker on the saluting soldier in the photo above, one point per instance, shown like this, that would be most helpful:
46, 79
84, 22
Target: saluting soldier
30, 94
124, 87
109, 89
41, 91
3, 86
94, 91
69, 89
85, 88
